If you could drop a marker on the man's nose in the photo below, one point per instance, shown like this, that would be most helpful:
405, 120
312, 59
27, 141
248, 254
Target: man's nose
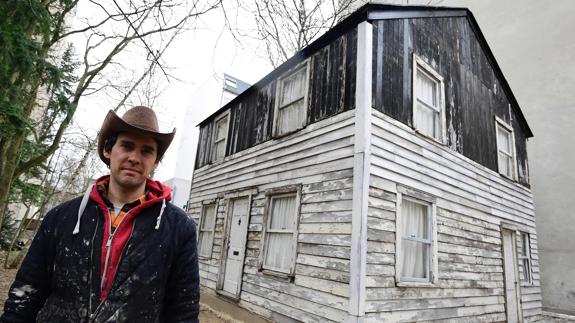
133, 157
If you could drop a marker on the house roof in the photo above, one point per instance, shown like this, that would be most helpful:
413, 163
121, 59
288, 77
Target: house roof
370, 12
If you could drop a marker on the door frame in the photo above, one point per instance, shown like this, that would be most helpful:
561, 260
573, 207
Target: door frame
512, 229
229, 197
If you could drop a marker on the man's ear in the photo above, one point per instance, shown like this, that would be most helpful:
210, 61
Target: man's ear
106, 153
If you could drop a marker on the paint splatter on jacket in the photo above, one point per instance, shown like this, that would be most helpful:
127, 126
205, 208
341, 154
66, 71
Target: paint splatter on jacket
151, 275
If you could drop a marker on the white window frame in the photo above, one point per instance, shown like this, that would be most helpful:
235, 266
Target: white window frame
278, 96
524, 257
501, 124
271, 194
201, 230
424, 199
216, 141
420, 65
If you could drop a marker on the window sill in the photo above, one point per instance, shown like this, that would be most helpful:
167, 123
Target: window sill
429, 138
416, 284
276, 274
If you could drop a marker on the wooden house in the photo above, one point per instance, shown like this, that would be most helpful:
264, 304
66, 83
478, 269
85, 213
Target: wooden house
379, 175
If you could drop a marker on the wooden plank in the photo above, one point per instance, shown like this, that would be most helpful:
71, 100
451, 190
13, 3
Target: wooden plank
280, 308
326, 217
335, 195
324, 285
322, 273
326, 239
323, 262
383, 294
323, 250
415, 304
325, 228
320, 297
305, 305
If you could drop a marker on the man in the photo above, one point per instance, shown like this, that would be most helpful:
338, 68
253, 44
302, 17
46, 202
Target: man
120, 253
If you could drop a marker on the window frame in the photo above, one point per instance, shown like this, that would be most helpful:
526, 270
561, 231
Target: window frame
205, 205
279, 86
524, 257
270, 194
501, 124
430, 201
420, 64
215, 141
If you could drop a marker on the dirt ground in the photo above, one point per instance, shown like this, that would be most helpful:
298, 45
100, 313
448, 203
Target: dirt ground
207, 315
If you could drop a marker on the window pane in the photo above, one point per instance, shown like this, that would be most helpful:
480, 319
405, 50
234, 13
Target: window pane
222, 128
291, 117
504, 162
205, 243
220, 148
209, 217
279, 250
526, 270
282, 212
415, 222
524, 244
293, 87
504, 140
426, 89
415, 259
426, 120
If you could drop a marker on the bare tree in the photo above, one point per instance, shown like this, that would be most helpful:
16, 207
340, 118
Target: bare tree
284, 27
115, 31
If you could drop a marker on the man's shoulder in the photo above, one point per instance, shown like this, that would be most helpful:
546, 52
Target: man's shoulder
179, 215
67, 205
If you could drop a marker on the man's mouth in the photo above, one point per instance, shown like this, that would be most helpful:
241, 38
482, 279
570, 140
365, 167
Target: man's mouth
132, 170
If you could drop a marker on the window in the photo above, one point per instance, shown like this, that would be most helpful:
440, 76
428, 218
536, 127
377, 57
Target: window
505, 149
291, 111
207, 225
525, 257
220, 135
280, 233
416, 261
428, 108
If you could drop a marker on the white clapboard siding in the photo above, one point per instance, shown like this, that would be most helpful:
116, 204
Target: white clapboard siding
320, 159
472, 201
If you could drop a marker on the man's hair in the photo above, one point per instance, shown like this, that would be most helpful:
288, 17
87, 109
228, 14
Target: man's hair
111, 141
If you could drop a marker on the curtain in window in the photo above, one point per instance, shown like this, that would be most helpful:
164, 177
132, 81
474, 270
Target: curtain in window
291, 109
279, 238
415, 254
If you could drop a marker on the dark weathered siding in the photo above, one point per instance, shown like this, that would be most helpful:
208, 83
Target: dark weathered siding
473, 94
331, 91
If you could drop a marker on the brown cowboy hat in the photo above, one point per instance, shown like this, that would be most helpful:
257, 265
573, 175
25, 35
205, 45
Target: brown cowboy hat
140, 120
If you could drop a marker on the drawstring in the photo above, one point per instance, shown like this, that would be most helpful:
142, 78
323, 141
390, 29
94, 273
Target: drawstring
161, 213
82, 208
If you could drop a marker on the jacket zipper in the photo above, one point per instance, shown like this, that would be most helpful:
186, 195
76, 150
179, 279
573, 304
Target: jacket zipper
92, 263
108, 244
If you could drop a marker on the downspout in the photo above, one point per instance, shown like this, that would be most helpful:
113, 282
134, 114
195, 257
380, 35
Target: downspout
361, 171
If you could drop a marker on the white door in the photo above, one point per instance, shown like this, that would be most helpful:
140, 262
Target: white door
512, 294
234, 264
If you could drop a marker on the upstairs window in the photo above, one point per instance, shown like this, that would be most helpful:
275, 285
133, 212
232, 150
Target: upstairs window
220, 136
525, 257
428, 108
505, 149
280, 235
291, 112
206, 235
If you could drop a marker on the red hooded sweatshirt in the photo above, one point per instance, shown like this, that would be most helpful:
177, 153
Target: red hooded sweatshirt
113, 244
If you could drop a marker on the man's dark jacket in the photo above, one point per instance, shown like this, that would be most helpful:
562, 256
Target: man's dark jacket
156, 279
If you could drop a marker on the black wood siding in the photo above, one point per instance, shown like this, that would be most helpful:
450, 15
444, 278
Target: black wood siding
331, 90
473, 94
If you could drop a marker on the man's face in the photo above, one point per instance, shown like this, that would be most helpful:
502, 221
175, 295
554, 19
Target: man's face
132, 159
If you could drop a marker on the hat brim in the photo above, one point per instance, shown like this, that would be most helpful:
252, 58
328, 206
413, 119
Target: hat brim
114, 125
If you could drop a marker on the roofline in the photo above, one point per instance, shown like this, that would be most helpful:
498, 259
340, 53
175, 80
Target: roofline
373, 11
